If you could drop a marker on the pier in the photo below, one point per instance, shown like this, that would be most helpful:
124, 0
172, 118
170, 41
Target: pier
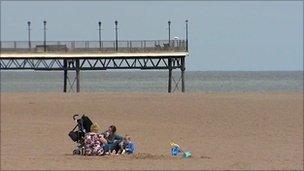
76, 56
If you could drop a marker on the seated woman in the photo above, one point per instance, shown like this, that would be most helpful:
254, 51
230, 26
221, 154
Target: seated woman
113, 140
94, 141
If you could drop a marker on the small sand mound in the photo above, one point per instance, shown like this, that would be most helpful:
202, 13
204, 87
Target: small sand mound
149, 156
145, 156
205, 157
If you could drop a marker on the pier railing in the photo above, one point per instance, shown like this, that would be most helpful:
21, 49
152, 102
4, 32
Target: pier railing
93, 46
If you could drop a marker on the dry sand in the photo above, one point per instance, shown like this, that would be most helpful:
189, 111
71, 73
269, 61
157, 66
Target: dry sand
223, 131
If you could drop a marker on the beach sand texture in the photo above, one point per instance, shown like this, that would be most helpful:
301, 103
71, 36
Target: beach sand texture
222, 130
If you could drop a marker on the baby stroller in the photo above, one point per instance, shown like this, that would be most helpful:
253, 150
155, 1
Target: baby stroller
83, 126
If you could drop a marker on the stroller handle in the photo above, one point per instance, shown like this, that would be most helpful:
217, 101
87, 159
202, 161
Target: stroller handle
74, 116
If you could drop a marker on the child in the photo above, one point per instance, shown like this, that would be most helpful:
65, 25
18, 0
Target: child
126, 146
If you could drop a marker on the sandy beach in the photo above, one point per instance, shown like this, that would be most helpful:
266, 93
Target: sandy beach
222, 130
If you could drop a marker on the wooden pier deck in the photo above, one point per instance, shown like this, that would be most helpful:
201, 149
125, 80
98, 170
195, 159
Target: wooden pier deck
24, 55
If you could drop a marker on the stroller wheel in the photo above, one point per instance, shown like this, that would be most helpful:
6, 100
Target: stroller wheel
83, 151
76, 152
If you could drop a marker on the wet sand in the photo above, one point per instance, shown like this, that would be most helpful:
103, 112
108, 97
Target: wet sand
222, 130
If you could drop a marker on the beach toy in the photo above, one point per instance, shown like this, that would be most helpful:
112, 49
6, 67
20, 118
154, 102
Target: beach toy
176, 150
174, 144
187, 154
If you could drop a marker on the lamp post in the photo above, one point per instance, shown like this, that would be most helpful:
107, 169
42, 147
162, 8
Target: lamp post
187, 35
29, 34
99, 31
169, 60
44, 41
169, 32
116, 35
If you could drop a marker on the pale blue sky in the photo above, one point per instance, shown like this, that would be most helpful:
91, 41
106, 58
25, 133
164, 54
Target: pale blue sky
245, 36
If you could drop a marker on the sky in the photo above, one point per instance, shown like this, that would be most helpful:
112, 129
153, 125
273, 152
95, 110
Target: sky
223, 35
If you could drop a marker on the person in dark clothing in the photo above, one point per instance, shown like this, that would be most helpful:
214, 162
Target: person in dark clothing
113, 139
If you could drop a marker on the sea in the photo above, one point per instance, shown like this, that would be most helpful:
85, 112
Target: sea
153, 81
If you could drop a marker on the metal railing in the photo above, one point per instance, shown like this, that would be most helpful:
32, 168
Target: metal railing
94, 46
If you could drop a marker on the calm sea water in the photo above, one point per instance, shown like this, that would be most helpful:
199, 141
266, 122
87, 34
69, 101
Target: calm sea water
155, 81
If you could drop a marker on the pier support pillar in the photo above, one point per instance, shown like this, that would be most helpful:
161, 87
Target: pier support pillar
183, 68
77, 76
65, 75
170, 75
